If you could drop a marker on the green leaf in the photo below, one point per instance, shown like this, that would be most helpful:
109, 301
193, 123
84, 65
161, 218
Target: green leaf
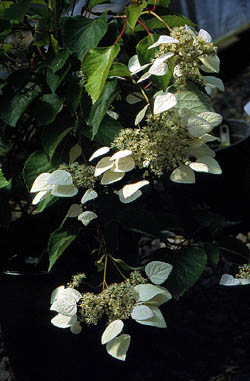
59, 240
133, 12
72, 96
213, 255
93, 3
81, 34
55, 79
3, 181
193, 100
46, 108
162, 3
145, 54
11, 110
187, 269
125, 266
234, 250
15, 12
52, 137
59, 60
170, 20
46, 203
37, 162
99, 108
213, 221
108, 129
96, 67
119, 69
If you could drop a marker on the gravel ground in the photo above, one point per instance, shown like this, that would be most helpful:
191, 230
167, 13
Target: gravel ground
230, 104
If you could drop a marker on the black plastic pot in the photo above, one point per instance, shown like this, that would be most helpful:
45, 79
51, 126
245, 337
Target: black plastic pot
228, 193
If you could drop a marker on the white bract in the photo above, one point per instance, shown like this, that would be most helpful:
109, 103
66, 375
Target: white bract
131, 192
86, 217
134, 65
64, 301
118, 347
58, 183
158, 271
230, 280
113, 168
164, 102
149, 298
164, 40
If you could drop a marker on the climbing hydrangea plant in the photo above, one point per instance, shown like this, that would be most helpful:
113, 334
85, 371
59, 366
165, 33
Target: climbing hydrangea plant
98, 107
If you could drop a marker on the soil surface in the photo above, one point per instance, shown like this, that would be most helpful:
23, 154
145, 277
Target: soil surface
208, 335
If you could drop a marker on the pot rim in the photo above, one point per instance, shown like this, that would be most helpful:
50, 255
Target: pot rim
230, 122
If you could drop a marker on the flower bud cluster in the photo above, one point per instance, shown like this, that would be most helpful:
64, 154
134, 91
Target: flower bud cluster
82, 174
161, 145
244, 272
116, 301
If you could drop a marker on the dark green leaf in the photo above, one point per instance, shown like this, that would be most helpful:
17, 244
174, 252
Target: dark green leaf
3, 181
213, 254
52, 137
125, 266
73, 96
15, 12
187, 269
55, 79
96, 67
46, 203
99, 108
46, 108
133, 12
108, 129
59, 240
145, 54
81, 34
234, 250
93, 3
162, 3
37, 162
10, 111
170, 20
120, 70
59, 60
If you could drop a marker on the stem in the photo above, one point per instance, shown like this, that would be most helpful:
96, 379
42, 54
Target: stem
123, 29
234, 252
159, 18
104, 283
144, 26
117, 268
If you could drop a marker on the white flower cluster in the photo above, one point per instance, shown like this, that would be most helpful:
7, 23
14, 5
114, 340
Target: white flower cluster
146, 310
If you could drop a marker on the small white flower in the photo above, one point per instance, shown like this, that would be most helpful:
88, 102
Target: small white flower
204, 35
58, 183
